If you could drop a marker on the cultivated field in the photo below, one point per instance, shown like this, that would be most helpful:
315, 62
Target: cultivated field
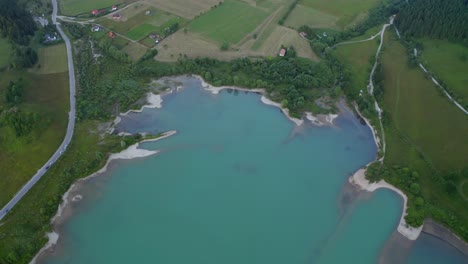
287, 37
4, 52
229, 22
134, 50
75, 7
330, 13
136, 24
449, 62
184, 8
305, 15
51, 60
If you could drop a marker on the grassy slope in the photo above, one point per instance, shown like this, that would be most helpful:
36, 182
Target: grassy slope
229, 22
305, 15
449, 62
426, 132
346, 10
357, 57
4, 52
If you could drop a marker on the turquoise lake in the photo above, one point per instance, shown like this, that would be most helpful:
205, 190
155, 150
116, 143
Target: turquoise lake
238, 183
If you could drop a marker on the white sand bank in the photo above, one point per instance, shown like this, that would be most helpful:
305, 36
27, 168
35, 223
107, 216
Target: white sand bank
153, 100
359, 179
264, 99
321, 120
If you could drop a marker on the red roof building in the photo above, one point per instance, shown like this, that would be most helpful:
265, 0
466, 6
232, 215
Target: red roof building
111, 34
282, 52
114, 8
95, 12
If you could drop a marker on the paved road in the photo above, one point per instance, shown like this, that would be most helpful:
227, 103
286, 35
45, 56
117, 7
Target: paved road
70, 127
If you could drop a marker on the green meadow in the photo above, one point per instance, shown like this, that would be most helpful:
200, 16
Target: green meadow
449, 62
229, 22
425, 133
4, 52
75, 7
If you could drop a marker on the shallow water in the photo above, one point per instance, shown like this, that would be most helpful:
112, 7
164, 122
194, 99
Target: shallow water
238, 183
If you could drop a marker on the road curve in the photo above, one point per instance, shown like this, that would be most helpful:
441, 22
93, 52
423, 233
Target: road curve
70, 127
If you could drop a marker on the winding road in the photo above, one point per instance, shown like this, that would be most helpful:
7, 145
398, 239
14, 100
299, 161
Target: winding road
71, 123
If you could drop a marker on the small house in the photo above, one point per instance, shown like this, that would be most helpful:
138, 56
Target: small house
114, 8
95, 12
111, 34
282, 52
116, 16
303, 34
148, 12
325, 34
95, 28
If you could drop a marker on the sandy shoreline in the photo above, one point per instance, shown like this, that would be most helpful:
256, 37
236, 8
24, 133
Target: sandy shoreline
153, 101
129, 153
319, 120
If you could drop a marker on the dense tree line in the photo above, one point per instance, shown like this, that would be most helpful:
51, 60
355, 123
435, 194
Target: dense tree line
439, 19
16, 23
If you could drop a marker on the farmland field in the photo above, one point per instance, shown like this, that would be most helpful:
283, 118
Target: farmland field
225, 24
305, 15
287, 37
4, 52
345, 12
51, 60
184, 8
141, 31
75, 7
134, 50
449, 62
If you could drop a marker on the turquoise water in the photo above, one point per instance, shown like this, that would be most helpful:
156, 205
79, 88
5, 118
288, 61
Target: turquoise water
238, 183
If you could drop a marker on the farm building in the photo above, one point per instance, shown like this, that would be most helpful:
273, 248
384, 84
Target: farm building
95, 28
116, 16
282, 52
303, 34
111, 34
114, 8
95, 12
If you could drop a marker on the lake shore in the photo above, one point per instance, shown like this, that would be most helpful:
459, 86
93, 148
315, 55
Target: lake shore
318, 120
73, 193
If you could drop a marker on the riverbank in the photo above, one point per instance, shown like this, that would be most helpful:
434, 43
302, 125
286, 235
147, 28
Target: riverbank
441, 232
73, 193
318, 120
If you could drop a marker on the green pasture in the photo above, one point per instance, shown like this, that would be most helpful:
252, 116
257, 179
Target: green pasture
229, 22
52, 59
141, 31
305, 15
449, 62
5, 51
75, 7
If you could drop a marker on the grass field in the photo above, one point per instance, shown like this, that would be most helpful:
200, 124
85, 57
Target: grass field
346, 12
426, 132
357, 59
4, 52
141, 31
75, 7
51, 60
134, 50
305, 15
229, 22
449, 62
184, 8
46, 95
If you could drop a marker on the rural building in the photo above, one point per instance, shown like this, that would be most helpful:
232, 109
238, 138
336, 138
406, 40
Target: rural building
282, 52
95, 12
148, 13
303, 34
116, 16
95, 28
114, 8
111, 34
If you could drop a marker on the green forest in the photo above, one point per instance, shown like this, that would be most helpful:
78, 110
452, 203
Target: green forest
435, 19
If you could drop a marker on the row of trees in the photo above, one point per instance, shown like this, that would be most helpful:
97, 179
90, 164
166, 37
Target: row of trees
438, 19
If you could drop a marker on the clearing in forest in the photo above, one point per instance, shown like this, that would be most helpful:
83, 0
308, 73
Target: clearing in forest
229, 22
51, 60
